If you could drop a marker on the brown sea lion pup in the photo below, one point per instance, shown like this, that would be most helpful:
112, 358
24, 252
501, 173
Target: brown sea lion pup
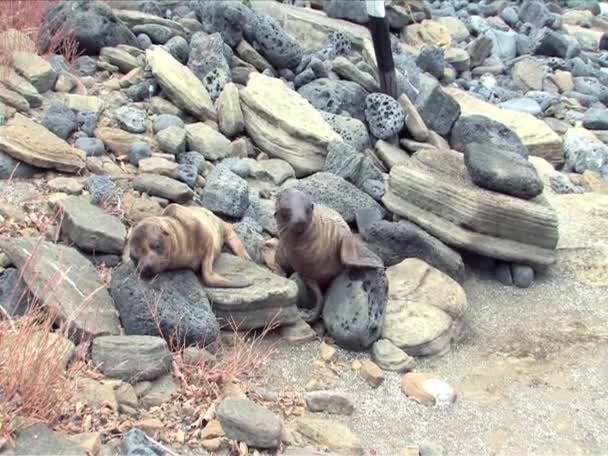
184, 237
315, 242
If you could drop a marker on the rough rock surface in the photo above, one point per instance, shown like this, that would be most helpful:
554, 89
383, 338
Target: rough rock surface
179, 300
284, 125
416, 322
353, 312
270, 298
433, 191
79, 295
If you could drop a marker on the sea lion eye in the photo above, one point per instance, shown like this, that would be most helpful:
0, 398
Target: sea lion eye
156, 245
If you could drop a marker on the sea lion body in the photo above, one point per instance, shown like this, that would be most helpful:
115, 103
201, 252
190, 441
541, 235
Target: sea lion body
315, 242
185, 237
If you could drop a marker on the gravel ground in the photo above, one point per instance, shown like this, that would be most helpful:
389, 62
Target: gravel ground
531, 371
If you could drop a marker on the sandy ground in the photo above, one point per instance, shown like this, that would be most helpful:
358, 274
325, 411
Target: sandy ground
531, 372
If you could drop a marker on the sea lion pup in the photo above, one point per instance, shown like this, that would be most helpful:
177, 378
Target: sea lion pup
185, 237
315, 242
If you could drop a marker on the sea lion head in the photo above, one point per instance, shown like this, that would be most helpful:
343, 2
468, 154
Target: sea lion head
293, 211
149, 246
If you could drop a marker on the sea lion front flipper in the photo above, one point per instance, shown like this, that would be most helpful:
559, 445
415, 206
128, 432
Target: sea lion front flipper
234, 242
214, 280
312, 315
354, 254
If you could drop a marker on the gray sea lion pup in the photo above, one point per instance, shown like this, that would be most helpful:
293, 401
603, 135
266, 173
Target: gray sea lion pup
184, 237
315, 242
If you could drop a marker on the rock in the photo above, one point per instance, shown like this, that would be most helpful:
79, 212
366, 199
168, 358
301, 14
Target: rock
118, 141
172, 140
593, 181
353, 312
537, 136
427, 32
230, 116
596, 119
13, 99
437, 107
88, 441
32, 143
528, 74
384, 115
163, 121
94, 26
92, 147
523, 275
105, 167
119, 58
480, 49
459, 59
91, 228
164, 187
270, 298
561, 184
522, 104
353, 11
352, 131
182, 307
347, 70
415, 322
35, 69
207, 141
14, 295
336, 97
330, 434
131, 119
180, 84
583, 151
226, 193
549, 43
247, 422
276, 45
327, 352
333, 402
21, 86
396, 241
60, 120
298, 333
392, 358
372, 374
413, 121
208, 61
134, 442
284, 125
131, 358
250, 55
432, 60
68, 185
335, 192
427, 389
138, 151
501, 170
504, 44
82, 284
39, 439
444, 172
483, 130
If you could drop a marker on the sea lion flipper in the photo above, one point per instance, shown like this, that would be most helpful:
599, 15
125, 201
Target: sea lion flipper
234, 242
215, 280
354, 254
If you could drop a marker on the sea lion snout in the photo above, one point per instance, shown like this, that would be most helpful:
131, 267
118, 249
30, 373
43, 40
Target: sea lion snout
148, 248
294, 210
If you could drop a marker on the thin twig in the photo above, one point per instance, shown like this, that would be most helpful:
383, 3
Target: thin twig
161, 446
8, 317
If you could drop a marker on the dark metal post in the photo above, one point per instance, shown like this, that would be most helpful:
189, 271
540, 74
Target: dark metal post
378, 27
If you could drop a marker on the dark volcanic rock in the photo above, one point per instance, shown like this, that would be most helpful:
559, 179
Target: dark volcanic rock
495, 168
93, 23
336, 97
276, 45
438, 109
396, 241
550, 43
351, 10
178, 299
353, 312
483, 130
384, 115
233, 20
60, 120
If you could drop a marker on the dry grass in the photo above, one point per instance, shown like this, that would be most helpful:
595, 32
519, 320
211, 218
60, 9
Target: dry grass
20, 22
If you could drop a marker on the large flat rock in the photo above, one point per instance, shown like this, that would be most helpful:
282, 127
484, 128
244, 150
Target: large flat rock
180, 84
434, 191
536, 135
271, 298
132, 18
285, 125
64, 281
30, 142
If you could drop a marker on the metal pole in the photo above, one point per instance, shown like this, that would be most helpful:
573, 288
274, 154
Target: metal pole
378, 27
